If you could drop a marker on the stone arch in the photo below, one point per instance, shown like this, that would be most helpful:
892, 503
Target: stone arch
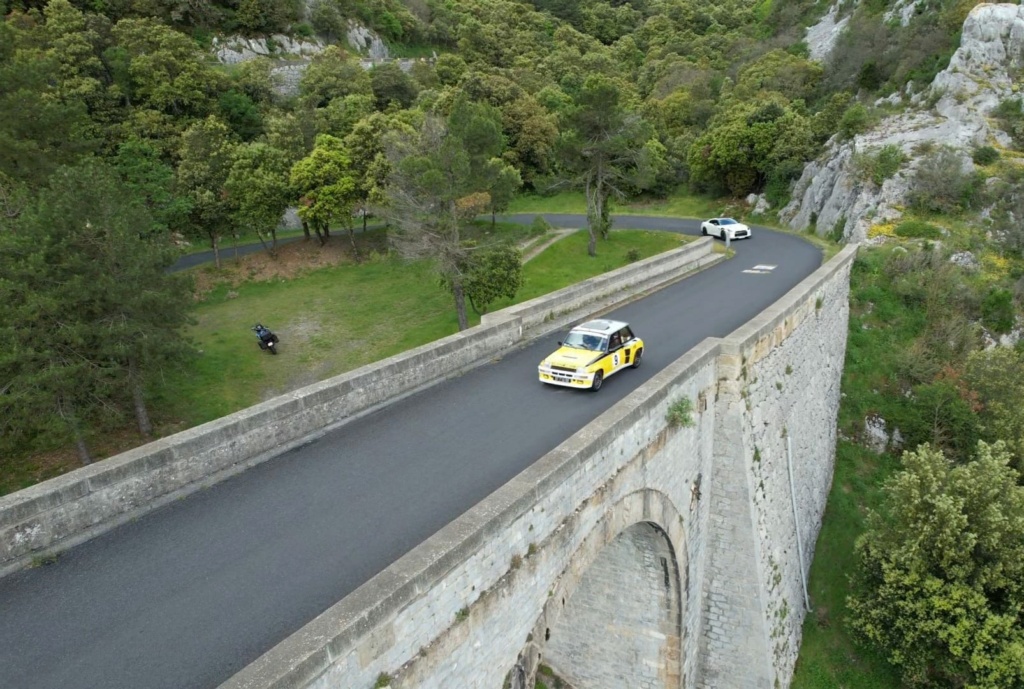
614, 616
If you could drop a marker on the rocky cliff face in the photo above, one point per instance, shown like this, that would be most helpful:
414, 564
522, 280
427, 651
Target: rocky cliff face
980, 75
293, 54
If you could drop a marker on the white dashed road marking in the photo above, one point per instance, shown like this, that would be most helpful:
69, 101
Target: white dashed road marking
761, 269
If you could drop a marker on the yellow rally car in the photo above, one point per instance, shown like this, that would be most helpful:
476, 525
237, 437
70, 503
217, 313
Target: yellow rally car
591, 352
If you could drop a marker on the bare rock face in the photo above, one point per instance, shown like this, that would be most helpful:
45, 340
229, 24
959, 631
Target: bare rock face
978, 77
904, 10
294, 54
366, 42
979, 73
822, 37
235, 49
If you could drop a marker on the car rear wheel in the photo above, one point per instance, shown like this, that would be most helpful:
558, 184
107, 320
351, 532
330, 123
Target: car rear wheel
637, 357
598, 379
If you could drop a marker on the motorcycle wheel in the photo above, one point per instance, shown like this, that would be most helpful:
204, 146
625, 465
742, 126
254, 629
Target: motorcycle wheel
273, 349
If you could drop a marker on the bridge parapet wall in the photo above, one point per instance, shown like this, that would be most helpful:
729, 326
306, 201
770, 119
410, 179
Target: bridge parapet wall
460, 609
70, 509
457, 610
779, 388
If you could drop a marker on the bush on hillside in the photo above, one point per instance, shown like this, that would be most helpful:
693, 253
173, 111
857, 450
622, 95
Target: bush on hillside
854, 121
918, 229
942, 183
985, 155
937, 414
879, 165
1010, 114
997, 311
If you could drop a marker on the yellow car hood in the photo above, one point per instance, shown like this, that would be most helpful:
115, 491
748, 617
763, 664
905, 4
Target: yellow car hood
570, 357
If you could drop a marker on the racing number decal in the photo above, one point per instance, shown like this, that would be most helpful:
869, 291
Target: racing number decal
615, 359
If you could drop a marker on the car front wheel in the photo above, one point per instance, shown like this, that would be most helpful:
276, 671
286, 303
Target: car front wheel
637, 357
598, 379
704, 231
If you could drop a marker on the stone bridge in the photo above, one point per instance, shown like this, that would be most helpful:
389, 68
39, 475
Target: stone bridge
642, 552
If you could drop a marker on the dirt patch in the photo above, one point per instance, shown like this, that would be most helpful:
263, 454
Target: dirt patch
289, 261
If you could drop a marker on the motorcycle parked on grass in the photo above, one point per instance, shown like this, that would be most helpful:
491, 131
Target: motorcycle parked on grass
266, 339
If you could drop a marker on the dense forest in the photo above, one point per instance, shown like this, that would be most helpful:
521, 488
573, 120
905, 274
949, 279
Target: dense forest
122, 138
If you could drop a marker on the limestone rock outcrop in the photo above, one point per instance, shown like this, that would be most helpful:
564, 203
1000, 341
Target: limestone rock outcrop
980, 75
822, 37
235, 49
293, 54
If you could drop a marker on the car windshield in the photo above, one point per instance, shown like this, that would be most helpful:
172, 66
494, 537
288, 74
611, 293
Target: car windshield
578, 340
726, 221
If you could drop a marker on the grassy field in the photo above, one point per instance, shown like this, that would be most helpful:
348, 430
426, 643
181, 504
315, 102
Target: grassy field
335, 319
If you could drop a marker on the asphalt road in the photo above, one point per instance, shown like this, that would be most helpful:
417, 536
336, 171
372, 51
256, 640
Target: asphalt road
191, 593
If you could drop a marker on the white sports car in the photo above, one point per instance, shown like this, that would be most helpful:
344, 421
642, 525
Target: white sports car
724, 228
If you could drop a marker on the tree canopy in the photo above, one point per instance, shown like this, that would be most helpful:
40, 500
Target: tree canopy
940, 589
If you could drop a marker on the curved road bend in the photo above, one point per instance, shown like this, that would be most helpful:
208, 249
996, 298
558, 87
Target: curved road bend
191, 593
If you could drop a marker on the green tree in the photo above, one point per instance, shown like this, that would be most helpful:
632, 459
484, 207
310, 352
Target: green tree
87, 310
369, 165
602, 151
432, 193
996, 377
39, 130
746, 143
341, 114
940, 586
259, 190
151, 182
240, 113
326, 187
165, 69
391, 85
493, 274
332, 74
207, 152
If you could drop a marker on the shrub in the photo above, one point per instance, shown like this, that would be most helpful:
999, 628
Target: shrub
938, 586
1010, 113
880, 165
854, 121
985, 155
918, 229
941, 184
539, 226
937, 414
633, 255
680, 413
997, 311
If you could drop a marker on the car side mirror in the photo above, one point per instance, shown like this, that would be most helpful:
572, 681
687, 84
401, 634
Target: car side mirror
559, 343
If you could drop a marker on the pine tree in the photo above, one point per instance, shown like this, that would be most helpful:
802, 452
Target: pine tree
88, 312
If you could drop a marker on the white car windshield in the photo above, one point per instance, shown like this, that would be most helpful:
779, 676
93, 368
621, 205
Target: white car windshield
727, 221
579, 340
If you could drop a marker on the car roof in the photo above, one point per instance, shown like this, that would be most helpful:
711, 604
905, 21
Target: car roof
602, 326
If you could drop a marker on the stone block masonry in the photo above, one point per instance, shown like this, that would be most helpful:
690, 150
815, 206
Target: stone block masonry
674, 544
59, 513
